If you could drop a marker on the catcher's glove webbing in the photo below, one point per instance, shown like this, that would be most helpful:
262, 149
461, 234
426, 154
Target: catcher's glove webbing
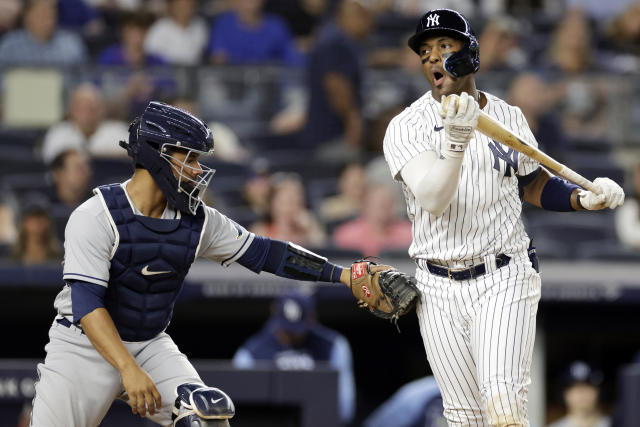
386, 292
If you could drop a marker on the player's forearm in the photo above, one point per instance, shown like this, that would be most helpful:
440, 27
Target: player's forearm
102, 332
438, 187
433, 181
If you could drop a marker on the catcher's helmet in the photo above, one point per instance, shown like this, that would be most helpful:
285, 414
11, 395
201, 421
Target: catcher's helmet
155, 136
452, 23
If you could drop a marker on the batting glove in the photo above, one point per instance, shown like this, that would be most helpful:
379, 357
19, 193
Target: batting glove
611, 195
460, 121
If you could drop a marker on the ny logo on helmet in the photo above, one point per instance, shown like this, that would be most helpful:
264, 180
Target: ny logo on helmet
432, 20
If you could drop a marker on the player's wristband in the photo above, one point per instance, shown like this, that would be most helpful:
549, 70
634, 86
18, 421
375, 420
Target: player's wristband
556, 195
578, 202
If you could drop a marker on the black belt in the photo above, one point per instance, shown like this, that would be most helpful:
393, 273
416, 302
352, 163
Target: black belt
466, 274
67, 324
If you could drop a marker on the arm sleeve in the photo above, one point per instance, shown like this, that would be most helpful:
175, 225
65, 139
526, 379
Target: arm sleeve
88, 242
287, 260
432, 180
223, 240
86, 297
342, 361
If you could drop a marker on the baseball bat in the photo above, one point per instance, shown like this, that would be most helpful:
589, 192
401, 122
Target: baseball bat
497, 131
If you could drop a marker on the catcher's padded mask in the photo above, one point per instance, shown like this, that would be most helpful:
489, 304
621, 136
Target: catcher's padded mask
451, 23
152, 137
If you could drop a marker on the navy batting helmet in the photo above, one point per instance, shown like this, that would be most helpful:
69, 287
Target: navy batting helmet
452, 23
153, 139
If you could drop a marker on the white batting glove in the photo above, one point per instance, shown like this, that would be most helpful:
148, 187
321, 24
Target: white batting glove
459, 123
611, 195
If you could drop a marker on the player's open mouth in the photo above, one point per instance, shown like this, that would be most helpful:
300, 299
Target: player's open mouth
438, 78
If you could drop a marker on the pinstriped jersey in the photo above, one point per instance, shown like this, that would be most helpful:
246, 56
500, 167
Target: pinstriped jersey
484, 215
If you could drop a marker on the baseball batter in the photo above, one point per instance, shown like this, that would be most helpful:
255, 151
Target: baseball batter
477, 271
127, 251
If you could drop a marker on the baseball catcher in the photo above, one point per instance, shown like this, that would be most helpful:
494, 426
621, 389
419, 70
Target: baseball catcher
386, 292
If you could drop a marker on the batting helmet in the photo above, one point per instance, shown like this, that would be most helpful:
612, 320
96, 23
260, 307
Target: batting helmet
155, 136
452, 23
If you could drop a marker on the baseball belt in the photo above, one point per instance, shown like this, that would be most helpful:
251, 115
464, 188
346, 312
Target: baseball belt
467, 273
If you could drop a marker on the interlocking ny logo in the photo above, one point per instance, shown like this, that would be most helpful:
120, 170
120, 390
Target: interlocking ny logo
510, 156
432, 20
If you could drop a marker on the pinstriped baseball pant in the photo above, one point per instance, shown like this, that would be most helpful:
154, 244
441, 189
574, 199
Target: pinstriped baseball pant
479, 335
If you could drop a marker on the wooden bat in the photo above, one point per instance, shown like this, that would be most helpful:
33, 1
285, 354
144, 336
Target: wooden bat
496, 130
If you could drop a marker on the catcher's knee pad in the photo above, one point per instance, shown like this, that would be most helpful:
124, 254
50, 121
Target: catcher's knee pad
200, 406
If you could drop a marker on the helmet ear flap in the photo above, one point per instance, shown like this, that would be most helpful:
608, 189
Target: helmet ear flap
465, 61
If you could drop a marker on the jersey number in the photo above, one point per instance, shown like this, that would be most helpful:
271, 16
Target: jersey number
510, 156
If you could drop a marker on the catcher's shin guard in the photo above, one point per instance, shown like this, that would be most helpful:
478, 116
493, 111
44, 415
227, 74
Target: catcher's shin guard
200, 406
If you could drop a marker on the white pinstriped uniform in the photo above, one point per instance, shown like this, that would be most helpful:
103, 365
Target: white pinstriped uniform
478, 333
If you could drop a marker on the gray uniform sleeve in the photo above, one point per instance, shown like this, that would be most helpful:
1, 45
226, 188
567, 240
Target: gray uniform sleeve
223, 240
88, 241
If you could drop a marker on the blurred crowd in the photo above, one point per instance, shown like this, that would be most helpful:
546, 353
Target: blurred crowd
298, 94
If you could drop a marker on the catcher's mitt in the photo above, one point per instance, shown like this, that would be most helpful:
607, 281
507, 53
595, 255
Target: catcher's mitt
386, 292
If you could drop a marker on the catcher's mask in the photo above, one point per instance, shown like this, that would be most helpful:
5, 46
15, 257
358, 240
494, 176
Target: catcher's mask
156, 136
453, 24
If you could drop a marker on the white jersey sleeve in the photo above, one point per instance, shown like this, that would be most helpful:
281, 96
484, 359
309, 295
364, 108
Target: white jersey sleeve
223, 240
411, 133
88, 242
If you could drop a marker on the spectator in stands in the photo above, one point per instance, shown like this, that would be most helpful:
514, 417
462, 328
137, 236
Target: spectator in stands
581, 388
8, 230
383, 230
78, 16
415, 404
130, 51
302, 16
347, 204
623, 34
40, 41
256, 189
335, 122
9, 12
627, 217
36, 242
71, 173
501, 49
289, 218
583, 98
571, 47
247, 35
181, 37
86, 129
293, 339
533, 96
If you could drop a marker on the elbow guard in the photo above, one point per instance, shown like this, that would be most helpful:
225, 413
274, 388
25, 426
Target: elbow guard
295, 262
288, 260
